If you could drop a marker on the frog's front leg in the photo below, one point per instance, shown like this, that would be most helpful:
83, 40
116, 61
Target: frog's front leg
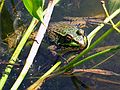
53, 49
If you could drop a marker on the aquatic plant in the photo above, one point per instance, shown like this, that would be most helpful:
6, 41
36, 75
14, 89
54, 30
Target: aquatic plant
36, 9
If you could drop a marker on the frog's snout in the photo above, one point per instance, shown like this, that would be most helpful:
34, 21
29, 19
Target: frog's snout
80, 38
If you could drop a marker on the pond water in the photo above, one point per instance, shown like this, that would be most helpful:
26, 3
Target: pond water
44, 59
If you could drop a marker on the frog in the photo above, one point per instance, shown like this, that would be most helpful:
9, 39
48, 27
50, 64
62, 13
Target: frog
66, 40
67, 35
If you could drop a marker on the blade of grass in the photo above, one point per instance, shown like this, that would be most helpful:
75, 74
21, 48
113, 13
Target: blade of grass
40, 81
103, 61
107, 14
94, 32
90, 58
94, 55
1, 5
100, 63
74, 63
95, 71
17, 52
35, 45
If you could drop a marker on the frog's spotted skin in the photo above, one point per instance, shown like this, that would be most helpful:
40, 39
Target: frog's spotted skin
60, 32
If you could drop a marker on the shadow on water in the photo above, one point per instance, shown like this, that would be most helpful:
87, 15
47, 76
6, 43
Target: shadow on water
6, 22
44, 60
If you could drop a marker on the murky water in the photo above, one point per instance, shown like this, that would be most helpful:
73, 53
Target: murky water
44, 60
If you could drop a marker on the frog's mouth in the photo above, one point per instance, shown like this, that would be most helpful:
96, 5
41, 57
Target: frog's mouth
67, 43
73, 43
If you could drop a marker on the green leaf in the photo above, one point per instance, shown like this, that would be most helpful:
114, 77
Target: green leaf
35, 8
113, 5
40, 13
29, 6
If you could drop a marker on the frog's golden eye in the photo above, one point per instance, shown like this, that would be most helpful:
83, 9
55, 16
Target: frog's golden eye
69, 37
80, 32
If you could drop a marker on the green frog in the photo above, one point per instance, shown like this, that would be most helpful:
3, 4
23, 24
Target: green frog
67, 35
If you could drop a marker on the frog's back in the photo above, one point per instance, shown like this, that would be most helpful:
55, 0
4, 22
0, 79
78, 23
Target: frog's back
60, 27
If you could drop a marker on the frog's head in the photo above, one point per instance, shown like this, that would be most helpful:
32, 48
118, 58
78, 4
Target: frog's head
72, 37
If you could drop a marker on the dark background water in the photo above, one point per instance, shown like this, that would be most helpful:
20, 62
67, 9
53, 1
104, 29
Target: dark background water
44, 60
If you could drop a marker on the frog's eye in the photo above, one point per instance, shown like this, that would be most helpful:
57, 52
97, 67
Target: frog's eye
69, 37
80, 32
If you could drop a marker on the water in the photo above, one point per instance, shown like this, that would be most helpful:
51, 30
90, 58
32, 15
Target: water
44, 60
